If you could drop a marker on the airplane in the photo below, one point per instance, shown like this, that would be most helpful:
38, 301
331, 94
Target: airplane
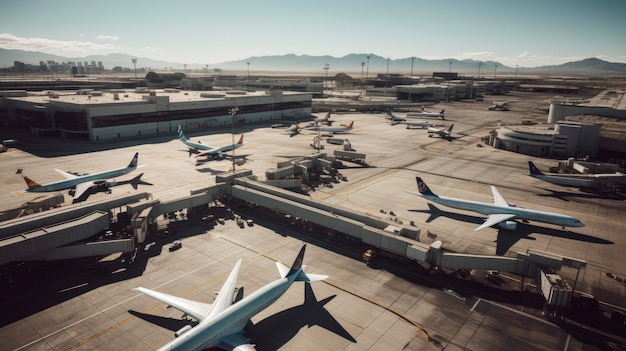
499, 105
326, 120
444, 133
221, 324
106, 185
500, 212
213, 152
399, 120
424, 114
606, 181
81, 183
341, 129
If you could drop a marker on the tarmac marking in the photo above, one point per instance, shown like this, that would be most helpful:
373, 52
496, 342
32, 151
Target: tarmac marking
475, 304
407, 319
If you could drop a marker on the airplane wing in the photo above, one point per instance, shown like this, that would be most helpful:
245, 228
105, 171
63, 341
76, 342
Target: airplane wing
236, 342
66, 175
207, 152
224, 298
498, 199
82, 187
494, 219
195, 309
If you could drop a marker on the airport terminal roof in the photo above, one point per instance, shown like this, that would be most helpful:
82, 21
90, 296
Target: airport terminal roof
94, 97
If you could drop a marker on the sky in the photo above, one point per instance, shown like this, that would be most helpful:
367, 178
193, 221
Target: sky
527, 33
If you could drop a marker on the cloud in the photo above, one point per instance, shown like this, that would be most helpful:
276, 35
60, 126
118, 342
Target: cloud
152, 49
57, 47
107, 37
477, 55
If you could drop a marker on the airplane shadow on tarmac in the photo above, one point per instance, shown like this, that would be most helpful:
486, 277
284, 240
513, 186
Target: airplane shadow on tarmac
276, 330
507, 238
569, 196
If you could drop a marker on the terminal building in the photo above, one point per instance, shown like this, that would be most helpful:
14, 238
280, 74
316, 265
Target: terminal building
94, 115
572, 130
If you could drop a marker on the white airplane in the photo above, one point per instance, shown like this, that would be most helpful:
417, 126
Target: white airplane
500, 212
444, 133
81, 183
221, 324
399, 120
499, 105
605, 181
343, 128
326, 120
213, 152
425, 114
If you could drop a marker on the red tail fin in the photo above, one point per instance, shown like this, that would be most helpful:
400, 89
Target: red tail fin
240, 140
31, 183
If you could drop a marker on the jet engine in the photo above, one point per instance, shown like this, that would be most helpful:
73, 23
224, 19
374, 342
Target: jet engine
508, 225
183, 330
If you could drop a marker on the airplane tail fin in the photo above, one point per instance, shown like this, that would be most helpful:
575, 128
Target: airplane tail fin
450, 129
133, 162
240, 140
423, 188
31, 183
442, 113
181, 135
350, 125
298, 268
533, 169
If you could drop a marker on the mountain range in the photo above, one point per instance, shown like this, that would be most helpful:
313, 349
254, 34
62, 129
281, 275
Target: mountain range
352, 64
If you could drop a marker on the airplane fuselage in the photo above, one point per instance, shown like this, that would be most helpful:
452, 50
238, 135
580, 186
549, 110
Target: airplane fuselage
70, 183
579, 182
522, 213
232, 320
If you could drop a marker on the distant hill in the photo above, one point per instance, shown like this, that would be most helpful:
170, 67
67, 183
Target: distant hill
589, 66
351, 64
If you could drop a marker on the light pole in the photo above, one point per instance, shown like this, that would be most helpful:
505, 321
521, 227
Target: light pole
516, 67
495, 72
367, 74
233, 112
248, 63
387, 77
135, 65
411, 87
326, 68
479, 64
362, 67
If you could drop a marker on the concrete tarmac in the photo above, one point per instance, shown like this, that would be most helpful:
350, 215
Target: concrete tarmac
372, 309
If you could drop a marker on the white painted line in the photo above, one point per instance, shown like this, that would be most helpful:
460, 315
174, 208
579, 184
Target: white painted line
475, 304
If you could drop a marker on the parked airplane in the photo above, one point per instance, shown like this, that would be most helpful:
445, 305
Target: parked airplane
213, 152
341, 129
106, 185
499, 105
425, 114
326, 120
221, 324
444, 133
399, 120
500, 212
81, 183
601, 182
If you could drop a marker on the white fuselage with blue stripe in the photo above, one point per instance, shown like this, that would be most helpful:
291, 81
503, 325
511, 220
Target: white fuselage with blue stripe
232, 320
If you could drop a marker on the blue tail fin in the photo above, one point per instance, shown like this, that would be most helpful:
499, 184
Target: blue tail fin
423, 188
181, 136
133, 162
533, 169
297, 264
